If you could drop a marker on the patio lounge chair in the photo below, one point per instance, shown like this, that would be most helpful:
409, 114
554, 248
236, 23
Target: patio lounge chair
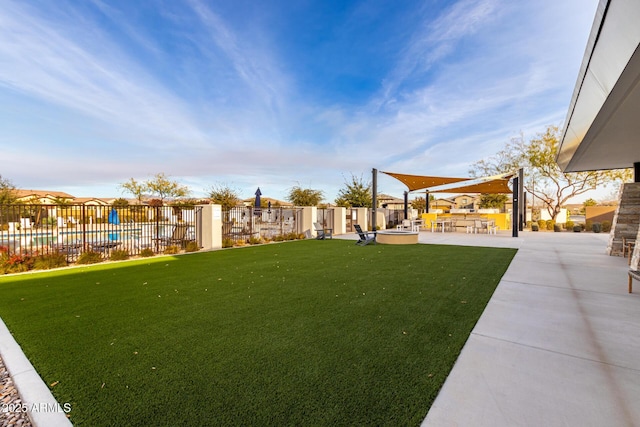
178, 236
365, 237
68, 248
104, 245
322, 233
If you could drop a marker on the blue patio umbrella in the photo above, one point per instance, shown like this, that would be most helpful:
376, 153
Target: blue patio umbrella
256, 207
113, 217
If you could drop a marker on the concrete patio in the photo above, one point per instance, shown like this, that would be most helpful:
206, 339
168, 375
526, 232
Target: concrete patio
557, 345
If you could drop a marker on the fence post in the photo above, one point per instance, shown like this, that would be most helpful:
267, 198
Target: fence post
157, 220
210, 226
84, 228
309, 216
339, 220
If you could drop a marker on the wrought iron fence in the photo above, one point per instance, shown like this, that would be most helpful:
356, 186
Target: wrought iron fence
73, 229
394, 217
326, 218
244, 224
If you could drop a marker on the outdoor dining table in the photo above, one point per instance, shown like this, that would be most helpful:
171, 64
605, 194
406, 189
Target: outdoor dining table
440, 222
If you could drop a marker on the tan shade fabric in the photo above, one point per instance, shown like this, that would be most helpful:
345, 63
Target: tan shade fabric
498, 186
418, 182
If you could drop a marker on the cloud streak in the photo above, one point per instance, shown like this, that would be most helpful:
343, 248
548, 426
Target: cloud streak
109, 90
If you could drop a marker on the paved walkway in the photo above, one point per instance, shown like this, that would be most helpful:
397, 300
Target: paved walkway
557, 345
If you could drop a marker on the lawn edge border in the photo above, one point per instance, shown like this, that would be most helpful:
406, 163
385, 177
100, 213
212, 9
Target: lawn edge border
34, 393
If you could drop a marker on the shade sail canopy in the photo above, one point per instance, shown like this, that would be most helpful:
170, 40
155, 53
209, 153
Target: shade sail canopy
419, 182
491, 185
498, 186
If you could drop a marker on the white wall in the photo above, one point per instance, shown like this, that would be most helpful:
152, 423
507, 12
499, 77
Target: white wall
211, 226
560, 219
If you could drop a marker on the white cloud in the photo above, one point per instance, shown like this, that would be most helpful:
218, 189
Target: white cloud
227, 106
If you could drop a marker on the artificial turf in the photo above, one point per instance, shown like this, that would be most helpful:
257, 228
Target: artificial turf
300, 333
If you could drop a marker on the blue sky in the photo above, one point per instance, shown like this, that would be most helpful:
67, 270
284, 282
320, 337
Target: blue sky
276, 94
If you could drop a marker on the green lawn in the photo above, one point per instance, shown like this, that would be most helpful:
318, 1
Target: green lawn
300, 333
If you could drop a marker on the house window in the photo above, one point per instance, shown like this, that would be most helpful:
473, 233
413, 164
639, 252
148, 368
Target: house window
464, 201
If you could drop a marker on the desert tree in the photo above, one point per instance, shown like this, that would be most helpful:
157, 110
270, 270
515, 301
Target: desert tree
224, 195
304, 196
165, 188
355, 193
544, 180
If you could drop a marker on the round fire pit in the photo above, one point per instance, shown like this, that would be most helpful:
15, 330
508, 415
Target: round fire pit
397, 237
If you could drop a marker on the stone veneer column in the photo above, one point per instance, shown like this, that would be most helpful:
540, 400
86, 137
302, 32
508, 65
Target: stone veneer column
626, 221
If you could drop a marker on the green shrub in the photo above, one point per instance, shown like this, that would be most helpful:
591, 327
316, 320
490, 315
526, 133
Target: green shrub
577, 228
228, 243
606, 226
542, 224
119, 255
596, 227
551, 224
569, 225
171, 250
255, 240
557, 227
49, 261
147, 252
534, 226
589, 225
89, 257
192, 247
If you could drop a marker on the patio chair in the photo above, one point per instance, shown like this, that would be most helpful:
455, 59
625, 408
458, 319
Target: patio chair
226, 228
321, 232
68, 248
365, 237
627, 247
104, 245
178, 236
480, 226
405, 225
633, 274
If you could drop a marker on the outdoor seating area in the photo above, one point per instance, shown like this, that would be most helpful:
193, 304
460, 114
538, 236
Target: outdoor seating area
410, 225
242, 223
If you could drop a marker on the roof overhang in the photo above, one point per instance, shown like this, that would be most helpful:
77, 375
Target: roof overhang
602, 128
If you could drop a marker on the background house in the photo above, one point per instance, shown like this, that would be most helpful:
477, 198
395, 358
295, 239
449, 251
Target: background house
462, 201
43, 197
390, 202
